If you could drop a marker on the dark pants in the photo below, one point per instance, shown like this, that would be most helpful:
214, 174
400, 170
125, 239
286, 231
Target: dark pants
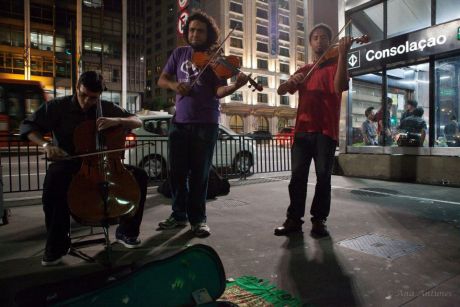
191, 147
321, 149
57, 215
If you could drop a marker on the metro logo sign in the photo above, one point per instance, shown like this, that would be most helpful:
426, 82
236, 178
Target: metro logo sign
181, 20
182, 4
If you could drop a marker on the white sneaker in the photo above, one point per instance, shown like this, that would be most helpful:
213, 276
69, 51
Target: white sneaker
201, 230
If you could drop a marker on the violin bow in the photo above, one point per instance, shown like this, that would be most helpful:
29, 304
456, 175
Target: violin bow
324, 53
213, 56
89, 154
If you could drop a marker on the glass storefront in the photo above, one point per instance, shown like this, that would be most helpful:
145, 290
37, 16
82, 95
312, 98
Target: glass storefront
407, 94
447, 102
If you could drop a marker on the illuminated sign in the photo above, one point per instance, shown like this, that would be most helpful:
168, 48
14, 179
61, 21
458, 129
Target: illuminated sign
410, 47
182, 4
181, 21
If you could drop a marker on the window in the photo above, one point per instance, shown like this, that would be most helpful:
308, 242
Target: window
236, 7
284, 4
407, 16
284, 68
300, 26
262, 80
284, 100
42, 41
405, 83
284, 35
447, 104
368, 21
284, 51
236, 24
262, 30
300, 56
262, 98
446, 10
262, 13
237, 96
237, 124
262, 123
284, 20
300, 41
236, 42
263, 47
262, 64
300, 11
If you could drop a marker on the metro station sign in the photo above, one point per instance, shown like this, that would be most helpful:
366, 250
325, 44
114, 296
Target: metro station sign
182, 4
408, 47
181, 20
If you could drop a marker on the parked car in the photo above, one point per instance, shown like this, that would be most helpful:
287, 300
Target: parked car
151, 150
260, 135
285, 137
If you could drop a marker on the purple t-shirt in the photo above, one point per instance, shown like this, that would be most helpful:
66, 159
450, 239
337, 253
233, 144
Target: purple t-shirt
201, 105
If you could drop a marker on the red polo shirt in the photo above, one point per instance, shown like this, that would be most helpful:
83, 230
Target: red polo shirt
319, 105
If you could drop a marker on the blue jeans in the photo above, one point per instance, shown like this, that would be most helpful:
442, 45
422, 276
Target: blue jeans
321, 149
191, 147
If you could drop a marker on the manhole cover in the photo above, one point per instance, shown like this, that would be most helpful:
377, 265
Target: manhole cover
381, 246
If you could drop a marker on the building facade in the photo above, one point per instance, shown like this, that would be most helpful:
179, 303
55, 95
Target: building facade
414, 54
54, 41
269, 38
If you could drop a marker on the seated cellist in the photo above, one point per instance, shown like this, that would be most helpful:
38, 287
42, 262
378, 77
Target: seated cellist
60, 117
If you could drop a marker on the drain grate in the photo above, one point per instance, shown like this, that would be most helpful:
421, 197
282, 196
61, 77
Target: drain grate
228, 203
381, 246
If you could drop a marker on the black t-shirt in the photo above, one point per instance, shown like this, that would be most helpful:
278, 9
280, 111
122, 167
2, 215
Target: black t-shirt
61, 116
413, 124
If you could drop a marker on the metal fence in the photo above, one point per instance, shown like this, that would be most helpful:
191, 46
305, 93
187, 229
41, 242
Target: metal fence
24, 165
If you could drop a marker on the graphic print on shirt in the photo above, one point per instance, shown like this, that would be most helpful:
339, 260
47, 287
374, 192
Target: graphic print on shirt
190, 72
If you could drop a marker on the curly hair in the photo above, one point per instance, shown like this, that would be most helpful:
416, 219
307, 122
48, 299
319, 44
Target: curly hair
212, 29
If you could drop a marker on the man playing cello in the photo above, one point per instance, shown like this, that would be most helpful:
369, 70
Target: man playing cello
61, 116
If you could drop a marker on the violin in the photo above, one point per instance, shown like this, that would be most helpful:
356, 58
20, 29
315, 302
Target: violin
224, 67
103, 190
330, 55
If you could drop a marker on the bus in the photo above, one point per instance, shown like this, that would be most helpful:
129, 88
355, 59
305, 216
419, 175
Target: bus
18, 99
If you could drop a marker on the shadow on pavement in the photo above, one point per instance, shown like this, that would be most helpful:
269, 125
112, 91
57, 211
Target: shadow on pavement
315, 273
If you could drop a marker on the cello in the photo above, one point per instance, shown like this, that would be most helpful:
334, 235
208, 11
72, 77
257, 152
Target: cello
103, 190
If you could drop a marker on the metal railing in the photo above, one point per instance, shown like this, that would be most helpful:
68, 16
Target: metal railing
235, 156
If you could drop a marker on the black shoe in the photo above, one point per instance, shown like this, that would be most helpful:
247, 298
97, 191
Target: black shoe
53, 258
127, 241
319, 229
289, 226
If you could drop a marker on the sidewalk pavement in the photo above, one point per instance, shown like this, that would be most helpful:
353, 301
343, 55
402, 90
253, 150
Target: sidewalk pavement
391, 244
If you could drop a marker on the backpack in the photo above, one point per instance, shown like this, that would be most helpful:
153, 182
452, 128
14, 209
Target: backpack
217, 185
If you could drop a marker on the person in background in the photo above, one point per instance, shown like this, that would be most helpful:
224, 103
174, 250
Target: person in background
409, 108
413, 129
383, 119
451, 131
368, 128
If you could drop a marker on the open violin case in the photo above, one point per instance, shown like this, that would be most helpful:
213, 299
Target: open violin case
194, 276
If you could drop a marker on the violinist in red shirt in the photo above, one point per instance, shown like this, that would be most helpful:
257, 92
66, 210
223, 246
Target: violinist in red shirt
316, 130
